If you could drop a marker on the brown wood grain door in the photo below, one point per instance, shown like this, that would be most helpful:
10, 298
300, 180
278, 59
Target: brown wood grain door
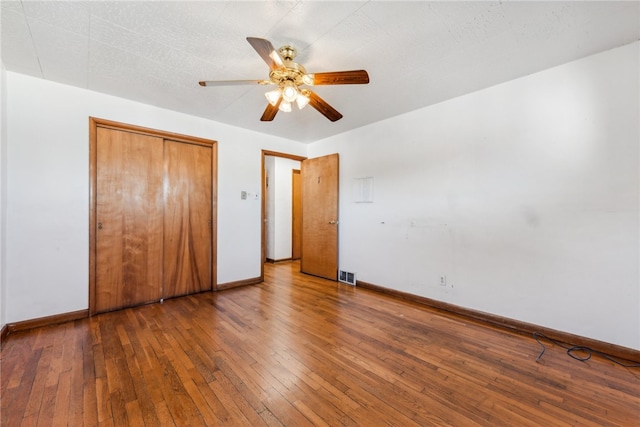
187, 219
296, 214
129, 217
320, 217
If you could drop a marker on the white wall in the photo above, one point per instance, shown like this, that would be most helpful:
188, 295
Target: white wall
3, 193
524, 195
48, 191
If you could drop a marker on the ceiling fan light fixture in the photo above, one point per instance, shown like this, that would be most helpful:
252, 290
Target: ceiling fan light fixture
308, 79
285, 106
302, 100
273, 96
289, 92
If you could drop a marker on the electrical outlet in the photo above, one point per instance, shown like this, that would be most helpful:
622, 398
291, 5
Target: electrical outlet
443, 280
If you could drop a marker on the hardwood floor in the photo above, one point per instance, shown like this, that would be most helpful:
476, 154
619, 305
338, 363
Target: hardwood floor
301, 351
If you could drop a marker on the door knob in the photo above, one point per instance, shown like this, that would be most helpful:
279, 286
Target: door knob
99, 226
333, 221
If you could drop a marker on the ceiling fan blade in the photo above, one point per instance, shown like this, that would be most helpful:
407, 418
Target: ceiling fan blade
270, 112
325, 109
354, 77
267, 52
233, 82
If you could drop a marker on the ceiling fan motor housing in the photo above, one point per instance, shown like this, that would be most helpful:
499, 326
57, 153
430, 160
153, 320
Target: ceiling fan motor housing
292, 72
287, 52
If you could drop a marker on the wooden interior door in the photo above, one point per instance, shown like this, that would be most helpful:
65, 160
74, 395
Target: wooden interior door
187, 219
129, 212
320, 217
296, 214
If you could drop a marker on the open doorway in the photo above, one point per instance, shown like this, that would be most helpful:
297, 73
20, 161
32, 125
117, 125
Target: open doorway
281, 193
281, 197
319, 211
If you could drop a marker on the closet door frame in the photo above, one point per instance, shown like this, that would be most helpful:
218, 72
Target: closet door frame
94, 124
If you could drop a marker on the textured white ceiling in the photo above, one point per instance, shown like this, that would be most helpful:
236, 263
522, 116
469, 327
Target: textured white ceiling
417, 53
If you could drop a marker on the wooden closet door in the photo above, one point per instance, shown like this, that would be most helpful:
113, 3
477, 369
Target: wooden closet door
129, 212
187, 219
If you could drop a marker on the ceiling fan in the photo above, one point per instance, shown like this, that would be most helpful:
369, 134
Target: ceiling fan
289, 77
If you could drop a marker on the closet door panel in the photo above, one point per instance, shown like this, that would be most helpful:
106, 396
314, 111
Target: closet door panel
129, 212
187, 219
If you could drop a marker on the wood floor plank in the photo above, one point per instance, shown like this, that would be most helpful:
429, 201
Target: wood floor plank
143, 400
62, 399
89, 405
118, 408
183, 409
298, 350
34, 404
104, 401
134, 413
231, 398
30, 421
76, 380
239, 381
47, 405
